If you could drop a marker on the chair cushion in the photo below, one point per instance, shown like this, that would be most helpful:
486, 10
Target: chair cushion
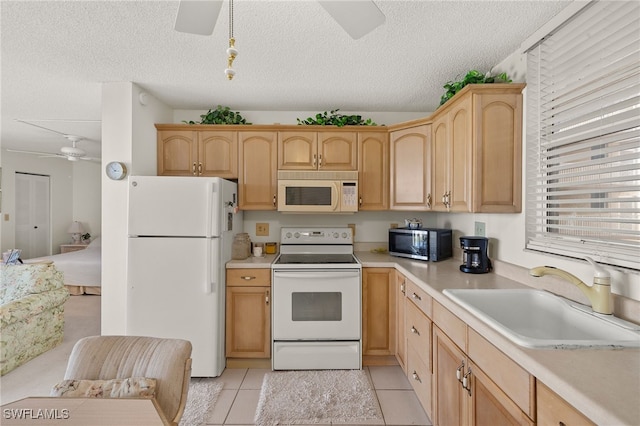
132, 387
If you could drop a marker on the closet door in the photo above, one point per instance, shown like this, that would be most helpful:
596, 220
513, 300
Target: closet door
33, 233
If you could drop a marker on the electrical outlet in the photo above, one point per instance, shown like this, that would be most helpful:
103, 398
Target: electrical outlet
479, 230
393, 225
353, 229
262, 229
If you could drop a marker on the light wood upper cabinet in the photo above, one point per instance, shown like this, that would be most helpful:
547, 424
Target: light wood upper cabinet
373, 171
313, 150
177, 152
337, 150
452, 153
257, 180
378, 311
297, 150
218, 154
477, 147
410, 168
196, 152
248, 313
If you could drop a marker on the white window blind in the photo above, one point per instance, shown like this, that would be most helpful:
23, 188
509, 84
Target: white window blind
583, 137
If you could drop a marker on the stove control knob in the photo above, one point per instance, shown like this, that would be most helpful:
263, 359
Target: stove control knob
297, 235
336, 235
344, 235
288, 235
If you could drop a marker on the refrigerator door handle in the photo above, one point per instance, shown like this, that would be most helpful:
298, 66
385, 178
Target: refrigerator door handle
212, 268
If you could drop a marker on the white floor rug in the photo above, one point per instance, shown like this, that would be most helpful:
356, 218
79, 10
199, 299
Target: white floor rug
200, 400
308, 397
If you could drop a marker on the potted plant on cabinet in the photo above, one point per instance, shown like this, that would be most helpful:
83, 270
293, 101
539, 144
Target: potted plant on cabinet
472, 77
334, 119
220, 115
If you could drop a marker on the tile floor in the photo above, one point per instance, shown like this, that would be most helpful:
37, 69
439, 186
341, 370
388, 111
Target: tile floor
238, 400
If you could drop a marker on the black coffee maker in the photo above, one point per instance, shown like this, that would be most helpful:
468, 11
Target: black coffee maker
475, 257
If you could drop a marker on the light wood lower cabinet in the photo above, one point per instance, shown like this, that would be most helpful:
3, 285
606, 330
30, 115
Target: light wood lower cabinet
419, 349
555, 411
401, 336
464, 394
378, 311
248, 316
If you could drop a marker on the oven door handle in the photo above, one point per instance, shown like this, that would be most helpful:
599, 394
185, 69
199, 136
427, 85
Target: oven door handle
321, 274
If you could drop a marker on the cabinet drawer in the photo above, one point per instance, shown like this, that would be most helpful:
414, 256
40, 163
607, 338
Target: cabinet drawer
553, 410
504, 372
452, 326
418, 331
419, 297
248, 277
420, 378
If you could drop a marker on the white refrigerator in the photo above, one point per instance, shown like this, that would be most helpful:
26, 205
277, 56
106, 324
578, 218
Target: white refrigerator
180, 234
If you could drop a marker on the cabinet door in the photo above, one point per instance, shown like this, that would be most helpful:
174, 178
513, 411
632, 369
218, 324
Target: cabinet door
553, 410
419, 350
498, 118
297, 150
373, 171
451, 401
440, 163
490, 405
177, 153
460, 153
257, 180
337, 151
248, 324
410, 163
452, 153
378, 311
218, 154
401, 336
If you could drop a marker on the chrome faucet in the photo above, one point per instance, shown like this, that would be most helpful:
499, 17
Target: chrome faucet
599, 293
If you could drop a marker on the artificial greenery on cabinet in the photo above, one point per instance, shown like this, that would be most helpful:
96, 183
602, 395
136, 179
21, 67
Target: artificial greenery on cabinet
220, 115
332, 118
472, 77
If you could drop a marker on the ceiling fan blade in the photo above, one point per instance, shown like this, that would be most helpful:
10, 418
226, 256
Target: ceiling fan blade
45, 154
197, 17
40, 127
357, 17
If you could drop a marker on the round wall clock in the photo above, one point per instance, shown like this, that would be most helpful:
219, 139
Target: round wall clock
116, 170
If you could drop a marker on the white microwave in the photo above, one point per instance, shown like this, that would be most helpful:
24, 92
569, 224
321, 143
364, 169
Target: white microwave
317, 192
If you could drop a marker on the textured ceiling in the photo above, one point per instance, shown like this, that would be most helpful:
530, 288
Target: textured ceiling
293, 57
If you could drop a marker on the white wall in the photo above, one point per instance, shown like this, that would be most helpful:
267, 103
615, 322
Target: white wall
75, 195
128, 135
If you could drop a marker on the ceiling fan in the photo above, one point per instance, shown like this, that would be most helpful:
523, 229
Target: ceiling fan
357, 17
71, 153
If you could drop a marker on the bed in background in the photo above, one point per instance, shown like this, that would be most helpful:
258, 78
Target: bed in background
81, 269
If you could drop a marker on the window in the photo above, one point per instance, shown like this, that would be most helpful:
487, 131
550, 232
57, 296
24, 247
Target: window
583, 137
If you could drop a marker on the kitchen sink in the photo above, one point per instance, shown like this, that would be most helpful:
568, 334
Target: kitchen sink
539, 319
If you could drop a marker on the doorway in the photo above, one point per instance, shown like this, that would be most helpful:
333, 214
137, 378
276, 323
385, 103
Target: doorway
33, 215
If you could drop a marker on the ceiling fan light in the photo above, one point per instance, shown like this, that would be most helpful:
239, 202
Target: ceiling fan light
72, 151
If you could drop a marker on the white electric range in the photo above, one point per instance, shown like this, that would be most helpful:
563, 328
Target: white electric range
316, 303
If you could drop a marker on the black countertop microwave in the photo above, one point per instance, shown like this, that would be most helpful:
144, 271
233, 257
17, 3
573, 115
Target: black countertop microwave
421, 243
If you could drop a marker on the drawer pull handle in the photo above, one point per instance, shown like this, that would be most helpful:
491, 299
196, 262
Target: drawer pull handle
248, 277
415, 296
266, 298
416, 377
415, 330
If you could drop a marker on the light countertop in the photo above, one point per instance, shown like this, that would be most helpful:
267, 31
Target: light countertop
604, 384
